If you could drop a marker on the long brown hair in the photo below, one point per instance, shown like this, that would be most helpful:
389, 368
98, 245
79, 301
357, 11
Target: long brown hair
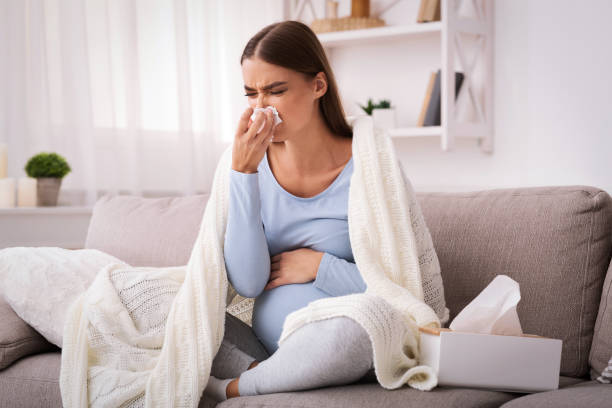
292, 44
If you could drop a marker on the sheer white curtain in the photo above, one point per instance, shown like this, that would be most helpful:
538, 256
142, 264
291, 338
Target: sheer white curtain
140, 96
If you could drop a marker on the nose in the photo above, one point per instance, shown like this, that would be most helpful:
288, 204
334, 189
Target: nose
260, 101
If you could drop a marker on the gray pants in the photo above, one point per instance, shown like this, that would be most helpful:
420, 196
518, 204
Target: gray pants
328, 352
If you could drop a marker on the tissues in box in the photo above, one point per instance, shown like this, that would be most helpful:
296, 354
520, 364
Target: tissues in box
485, 347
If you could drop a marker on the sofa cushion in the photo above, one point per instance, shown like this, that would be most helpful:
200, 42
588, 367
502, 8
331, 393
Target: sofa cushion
584, 394
373, 395
601, 349
146, 231
17, 338
32, 381
554, 241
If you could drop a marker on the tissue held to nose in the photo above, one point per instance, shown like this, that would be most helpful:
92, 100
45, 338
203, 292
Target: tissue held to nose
277, 119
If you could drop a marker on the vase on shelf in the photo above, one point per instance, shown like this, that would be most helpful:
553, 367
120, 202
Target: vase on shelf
47, 190
384, 117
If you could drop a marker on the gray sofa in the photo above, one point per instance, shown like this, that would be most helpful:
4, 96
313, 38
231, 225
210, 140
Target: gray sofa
555, 241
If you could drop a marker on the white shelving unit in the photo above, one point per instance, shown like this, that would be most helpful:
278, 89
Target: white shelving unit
58, 226
449, 29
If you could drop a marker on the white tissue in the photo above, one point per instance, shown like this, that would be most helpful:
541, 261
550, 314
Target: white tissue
277, 119
493, 311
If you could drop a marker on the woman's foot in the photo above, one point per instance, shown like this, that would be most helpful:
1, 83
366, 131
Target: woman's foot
232, 389
253, 364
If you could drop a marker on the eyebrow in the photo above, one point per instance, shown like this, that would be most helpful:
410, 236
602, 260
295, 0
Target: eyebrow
269, 86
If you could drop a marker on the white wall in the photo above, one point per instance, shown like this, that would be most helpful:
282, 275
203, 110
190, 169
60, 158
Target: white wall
552, 97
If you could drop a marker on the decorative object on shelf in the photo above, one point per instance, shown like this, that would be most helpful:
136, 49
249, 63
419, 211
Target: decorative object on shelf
3, 160
429, 10
430, 111
382, 104
369, 107
48, 169
383, 114
360, 18
331, 9
360, 8
26, 192
7, 192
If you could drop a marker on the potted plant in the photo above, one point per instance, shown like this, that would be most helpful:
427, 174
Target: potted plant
382, 113
48, 169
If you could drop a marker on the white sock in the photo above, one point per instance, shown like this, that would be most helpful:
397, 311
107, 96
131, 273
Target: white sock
216, 388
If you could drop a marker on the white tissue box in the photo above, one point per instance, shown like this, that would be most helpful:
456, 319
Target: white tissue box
526, 363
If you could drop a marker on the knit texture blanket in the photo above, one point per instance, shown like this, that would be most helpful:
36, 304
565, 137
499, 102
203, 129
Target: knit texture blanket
146, 336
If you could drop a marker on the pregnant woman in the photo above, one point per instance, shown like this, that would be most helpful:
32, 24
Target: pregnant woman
287, 240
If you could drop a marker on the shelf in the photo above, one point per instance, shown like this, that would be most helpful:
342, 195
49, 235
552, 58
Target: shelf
463, 130
367, 35
60, 209
415, 131
58, 226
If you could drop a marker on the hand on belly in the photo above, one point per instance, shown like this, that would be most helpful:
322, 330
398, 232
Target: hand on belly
296, 266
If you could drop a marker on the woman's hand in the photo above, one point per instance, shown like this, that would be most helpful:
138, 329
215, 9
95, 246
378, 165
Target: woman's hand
297, 266
249, 147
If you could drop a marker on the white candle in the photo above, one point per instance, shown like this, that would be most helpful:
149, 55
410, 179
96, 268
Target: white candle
26, 192
3, 160
7, 192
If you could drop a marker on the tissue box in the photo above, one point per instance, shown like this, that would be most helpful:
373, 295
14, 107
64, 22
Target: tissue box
525, 364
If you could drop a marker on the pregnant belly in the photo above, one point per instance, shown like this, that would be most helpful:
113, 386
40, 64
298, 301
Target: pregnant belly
272, 307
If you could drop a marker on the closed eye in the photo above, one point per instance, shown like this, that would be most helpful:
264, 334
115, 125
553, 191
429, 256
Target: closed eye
273, 93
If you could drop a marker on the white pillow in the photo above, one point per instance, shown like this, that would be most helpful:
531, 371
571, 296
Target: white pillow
40, 283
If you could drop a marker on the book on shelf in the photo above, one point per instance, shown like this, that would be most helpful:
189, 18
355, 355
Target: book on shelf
430, 111
429, 10
430, 84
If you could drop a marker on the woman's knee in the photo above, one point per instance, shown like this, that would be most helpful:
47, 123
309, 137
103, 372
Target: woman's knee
350, 341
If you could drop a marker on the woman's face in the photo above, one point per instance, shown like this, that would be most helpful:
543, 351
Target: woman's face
293, 96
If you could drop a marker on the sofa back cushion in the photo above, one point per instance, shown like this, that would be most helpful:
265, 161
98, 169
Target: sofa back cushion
146, 231
554, 241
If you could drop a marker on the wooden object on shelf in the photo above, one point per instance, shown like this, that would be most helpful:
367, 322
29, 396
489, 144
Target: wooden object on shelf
432, 79
325, 25
429, 10
360, 8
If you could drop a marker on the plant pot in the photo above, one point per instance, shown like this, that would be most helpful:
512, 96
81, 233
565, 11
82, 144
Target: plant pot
47, 190
384, 117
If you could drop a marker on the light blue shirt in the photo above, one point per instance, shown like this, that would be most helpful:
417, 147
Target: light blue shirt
264, 220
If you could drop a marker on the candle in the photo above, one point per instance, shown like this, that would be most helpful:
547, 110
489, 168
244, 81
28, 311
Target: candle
3, 160
7, 192
26, 192
331, 9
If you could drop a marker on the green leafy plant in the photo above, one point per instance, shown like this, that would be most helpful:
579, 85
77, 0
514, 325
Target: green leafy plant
382, 104
47, 165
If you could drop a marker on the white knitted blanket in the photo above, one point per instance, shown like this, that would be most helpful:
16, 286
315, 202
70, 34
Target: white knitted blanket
145, 336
